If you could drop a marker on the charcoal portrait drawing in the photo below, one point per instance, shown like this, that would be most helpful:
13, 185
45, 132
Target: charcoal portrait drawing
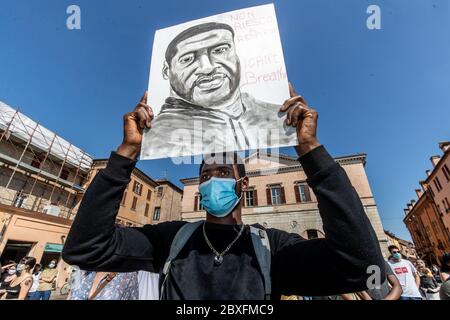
206, 110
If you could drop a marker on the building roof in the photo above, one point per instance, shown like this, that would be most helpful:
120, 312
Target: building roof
290, 164
172, 185
402, 241
144, 176
20, 126
103, 162
443, 158
444, 146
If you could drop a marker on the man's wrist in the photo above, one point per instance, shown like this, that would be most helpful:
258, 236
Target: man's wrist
306, 147
128, 151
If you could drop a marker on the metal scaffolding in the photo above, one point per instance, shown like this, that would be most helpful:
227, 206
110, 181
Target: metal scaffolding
39, 170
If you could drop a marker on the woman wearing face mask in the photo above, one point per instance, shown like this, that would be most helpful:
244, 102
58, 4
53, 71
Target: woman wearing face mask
32, 294
428, 285
8, 276
46, 281
19, 287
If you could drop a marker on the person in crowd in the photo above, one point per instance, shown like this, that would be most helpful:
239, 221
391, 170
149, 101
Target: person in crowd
19, 287
105, 286
46, 282
218, 260
436, 273
444, 292
428, 284
390, 289
37, 273
148, 285
406, 274
4, 268
8, 274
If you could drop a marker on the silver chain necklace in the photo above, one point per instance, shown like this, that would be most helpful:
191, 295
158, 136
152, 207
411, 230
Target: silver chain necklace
218, 259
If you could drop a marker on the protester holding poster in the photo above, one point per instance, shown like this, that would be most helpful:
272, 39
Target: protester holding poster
220, 258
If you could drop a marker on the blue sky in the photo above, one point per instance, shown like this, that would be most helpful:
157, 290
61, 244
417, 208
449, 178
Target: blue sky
384, 92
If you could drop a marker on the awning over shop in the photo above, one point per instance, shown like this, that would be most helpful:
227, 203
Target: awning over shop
51, 247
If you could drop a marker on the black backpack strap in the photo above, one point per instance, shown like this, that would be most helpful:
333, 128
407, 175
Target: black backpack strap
181, 238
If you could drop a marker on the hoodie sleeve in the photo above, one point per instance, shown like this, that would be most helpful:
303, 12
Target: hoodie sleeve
94, 242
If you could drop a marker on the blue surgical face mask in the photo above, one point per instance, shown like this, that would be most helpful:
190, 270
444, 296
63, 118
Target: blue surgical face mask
219, 196
397, 256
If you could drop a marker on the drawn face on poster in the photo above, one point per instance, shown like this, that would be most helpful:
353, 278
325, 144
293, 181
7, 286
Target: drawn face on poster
202, 65
222, 83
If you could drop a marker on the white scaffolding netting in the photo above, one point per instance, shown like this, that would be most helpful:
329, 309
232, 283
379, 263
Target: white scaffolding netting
20, 126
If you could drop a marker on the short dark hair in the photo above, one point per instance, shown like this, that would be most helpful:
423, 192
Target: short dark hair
193, 31
226, 157
391, 247
30, 262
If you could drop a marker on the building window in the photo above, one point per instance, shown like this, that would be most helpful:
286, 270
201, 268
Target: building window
312, 234
431, 191
198, 203
147, 207
435, 227
36, 162
74, 202
159, 191
64, 174
137, 188
276, 195
81, 181
157, 214
133, 206
124, 199
20, 198
446, 205
437, 184
446, 172
302, 193
149, 195
250, 198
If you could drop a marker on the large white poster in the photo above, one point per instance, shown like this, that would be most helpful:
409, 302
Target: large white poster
216, 85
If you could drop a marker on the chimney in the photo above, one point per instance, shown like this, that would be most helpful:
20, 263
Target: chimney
428, 172
407, 211
435, 160
423, 185
445, 146
419, 193
409, 206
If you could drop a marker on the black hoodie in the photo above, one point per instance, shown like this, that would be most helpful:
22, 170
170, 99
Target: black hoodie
333, 265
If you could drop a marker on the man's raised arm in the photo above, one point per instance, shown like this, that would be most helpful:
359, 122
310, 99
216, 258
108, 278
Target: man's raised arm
94, 242
339, 263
